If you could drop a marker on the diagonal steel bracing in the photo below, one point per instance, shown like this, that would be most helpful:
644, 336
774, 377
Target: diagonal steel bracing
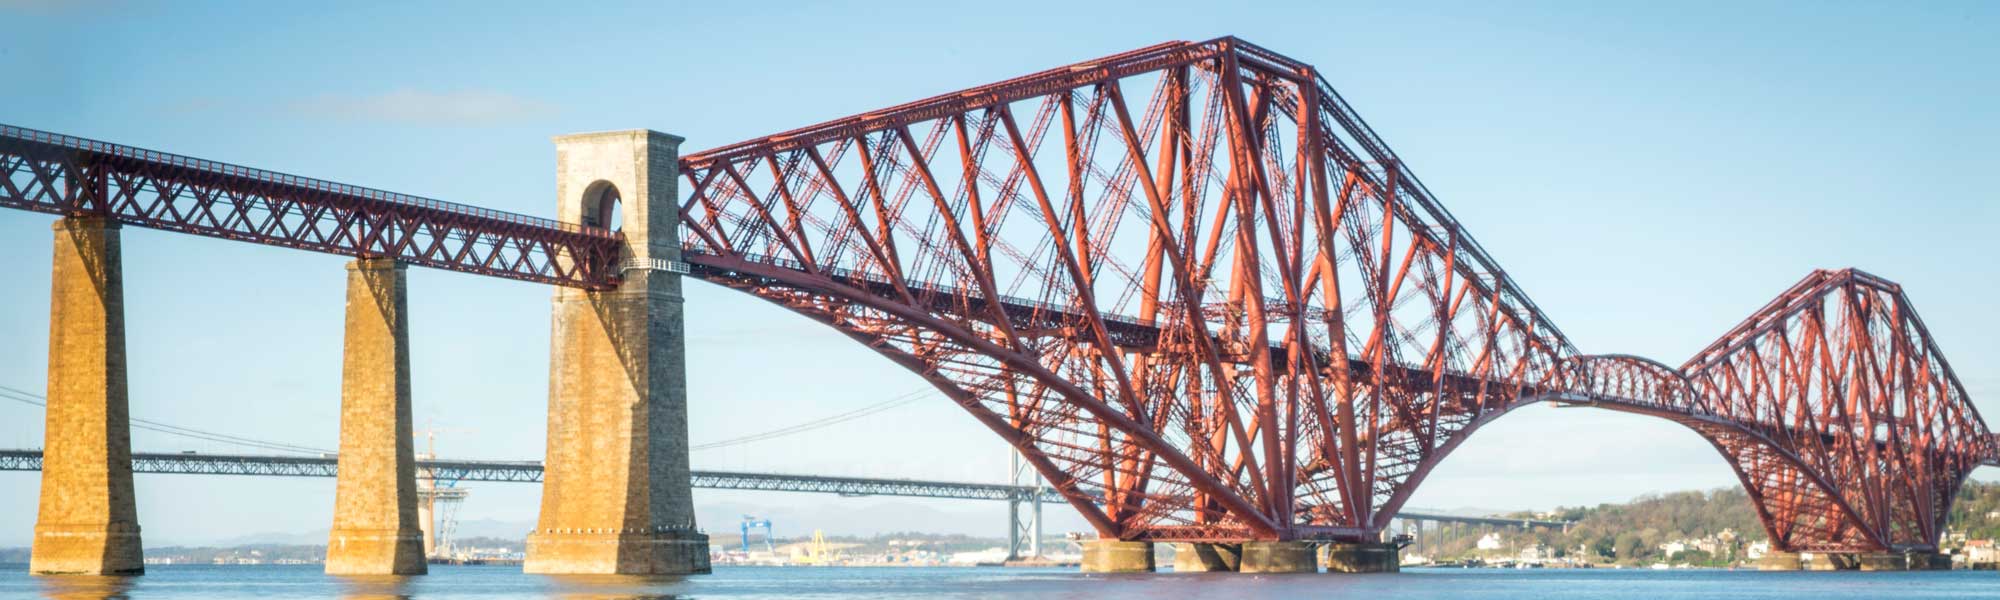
1187, 282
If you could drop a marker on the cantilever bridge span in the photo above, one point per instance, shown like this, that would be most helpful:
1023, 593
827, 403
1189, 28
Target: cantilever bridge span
1187, 283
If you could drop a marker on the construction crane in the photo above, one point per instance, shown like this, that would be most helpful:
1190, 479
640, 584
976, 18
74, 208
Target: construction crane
819, 553
437, 502
749, 522
437, 515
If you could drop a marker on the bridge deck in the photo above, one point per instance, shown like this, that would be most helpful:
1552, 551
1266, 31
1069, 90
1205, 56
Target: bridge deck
67, 175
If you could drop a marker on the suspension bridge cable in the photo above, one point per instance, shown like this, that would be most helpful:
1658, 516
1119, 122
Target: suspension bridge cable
26, 397
175, 430
819, 423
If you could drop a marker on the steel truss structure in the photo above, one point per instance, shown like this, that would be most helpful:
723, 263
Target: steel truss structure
1834, 406
1207, 302
1187, 283
1843, 419
66, 175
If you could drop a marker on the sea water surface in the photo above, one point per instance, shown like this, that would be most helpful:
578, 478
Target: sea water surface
841, 583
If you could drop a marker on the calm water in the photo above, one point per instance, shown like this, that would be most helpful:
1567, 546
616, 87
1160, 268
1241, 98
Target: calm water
845, 583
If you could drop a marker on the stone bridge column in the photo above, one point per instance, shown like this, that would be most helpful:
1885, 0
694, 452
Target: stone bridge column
87, 523
1289, 556
615, 494
1206, 558
375, 528
1117, 556
1360, 557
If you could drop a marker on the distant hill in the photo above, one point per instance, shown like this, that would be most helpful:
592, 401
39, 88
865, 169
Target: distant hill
1632, 532
1977, 511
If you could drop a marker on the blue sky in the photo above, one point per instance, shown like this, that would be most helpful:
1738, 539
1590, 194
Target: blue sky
1649, 173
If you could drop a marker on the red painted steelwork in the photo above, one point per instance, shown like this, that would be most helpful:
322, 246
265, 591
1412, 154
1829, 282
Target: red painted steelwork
66, 175
1842, 374
1187, 282
1208, 303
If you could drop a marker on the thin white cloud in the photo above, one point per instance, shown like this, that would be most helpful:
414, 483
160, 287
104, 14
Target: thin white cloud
48, 6
422, 107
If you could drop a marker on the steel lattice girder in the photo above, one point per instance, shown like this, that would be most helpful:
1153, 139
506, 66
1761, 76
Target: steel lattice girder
66, 175
1224, 310
1840, 372
1236, 315
1194, 290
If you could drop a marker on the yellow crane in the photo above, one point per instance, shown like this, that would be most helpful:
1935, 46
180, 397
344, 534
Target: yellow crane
817, 552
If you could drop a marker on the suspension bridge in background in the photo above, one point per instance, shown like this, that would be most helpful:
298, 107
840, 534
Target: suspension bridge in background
443, 476
1195, 292
439, 478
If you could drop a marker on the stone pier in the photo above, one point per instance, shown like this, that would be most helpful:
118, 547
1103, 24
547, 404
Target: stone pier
375, 527
1850, 561
1915, 560
1828, 561
1366, 557
1279, 557
615, 496
88, 523
1928, 561
1117, 556
1781, 561
1881, 561
1206, 558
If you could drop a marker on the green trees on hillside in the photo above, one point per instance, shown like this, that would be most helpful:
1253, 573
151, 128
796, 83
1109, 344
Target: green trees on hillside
1977, 511
1632, 533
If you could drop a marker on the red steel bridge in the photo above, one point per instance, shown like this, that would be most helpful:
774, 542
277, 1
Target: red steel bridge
1187, 282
